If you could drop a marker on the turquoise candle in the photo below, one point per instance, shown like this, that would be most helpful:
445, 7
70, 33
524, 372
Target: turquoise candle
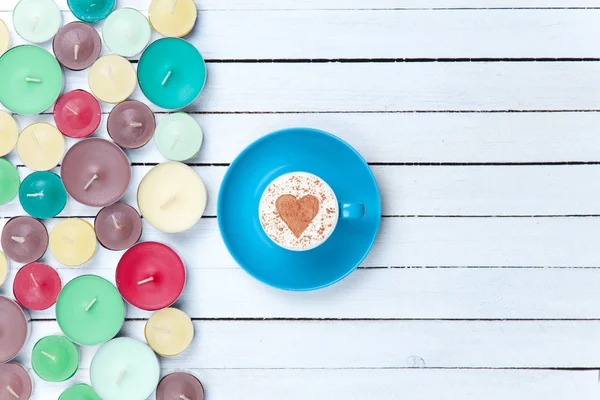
171, 73
178, 136
126, 32
91, 10
80, 391
37, 21
42, 194
124, 368
55, 358
9, 181
30, 80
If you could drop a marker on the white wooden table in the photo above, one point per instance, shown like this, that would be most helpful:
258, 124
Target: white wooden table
481, 122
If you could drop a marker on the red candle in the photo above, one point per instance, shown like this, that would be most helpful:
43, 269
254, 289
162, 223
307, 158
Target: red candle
37, 286
77, 114
150, 276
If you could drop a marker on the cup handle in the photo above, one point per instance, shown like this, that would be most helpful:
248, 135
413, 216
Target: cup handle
352, 210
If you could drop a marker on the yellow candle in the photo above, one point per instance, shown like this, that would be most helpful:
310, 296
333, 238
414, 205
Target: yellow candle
169, 332
172, 197
112, 79
4, 38
73, 242
3, 268
9, 132
41, 146
173, 18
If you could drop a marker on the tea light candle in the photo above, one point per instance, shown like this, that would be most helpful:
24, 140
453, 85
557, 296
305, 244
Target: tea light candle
173, 18
15, 382
80, 391
55, 358
178, 136
42, 195
118, 227
172, 197
31, 79
124, 368
180, 386
9, 181
37, 21
77, 46
9, 132
41, 146
112, 79
150, 276
4, 38
96, 172
126, 32
73, 242
172, 73
14, 332
131, 124
37, 286
3, 268
24, 239
90, 310
91, 10
77, 114
169, 332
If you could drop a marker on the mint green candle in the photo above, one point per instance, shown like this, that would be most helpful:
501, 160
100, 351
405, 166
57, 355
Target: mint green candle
178, 136
90, 310
37, 21
55, 358
42, 194
9, 181
30, 80
80, 391
126, 32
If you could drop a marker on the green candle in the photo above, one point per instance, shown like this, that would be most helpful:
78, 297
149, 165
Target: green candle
42, 194
30, 80
178, 136
9, 181
79, 392
90, 310
55, 358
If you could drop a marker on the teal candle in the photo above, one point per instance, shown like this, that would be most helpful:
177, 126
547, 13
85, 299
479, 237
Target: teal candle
55, 358
90, 310
171, 73
91, 10
42, 194
30, 80
9, 181
178, 136
126, 32
124, 368
37, 21
80, 391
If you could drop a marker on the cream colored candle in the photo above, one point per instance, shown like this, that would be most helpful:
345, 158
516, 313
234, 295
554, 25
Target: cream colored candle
4, 38
73, 242
173, 18
41, 146
3, 268
112, 79
172, 197
9, 132
169, 332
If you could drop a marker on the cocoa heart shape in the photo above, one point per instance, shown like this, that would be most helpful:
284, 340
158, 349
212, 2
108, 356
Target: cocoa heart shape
297, 213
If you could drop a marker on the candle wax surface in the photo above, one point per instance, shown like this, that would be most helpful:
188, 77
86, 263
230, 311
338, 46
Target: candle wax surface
37, 21
14, 330
3, 268
105, 310
73, 242
64, 364
77, 46
131, 124
176, 384
112, 79
9, 181
91, 10
77, 114
126, 32
27, 97
178, 136
4, 37
37, 286
42, 194
118, 227
80, 391
169, 332
33, 235
124, 368
18, 379
9, 133
173, 18
41, 146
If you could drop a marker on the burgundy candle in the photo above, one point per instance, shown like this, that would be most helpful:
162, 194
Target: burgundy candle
96, 172
150, 276
77, 114
24, 239
14, 329
180, 385
15, 382
37, 286
77, 46
131, 124
118, 227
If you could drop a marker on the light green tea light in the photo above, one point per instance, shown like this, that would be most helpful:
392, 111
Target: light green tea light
9, 181
37, 21
178, 136
126, 32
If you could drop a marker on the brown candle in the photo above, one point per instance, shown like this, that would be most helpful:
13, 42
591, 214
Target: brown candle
77, 46
180, 385
118, 227
15, 382
14, 329
131, 124
24, 239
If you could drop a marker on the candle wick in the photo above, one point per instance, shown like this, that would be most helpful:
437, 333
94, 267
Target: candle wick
71, 109
76, 51
12, 392
174, 142
166, 78
50, 356
173, 6
38, 194
2, 130
35, 139
35, 282
66, 239
115, 222
135, 124
18, 239
110, 72
30, 79
87, 185
90, 305
156, 328
167, 203
120, 378
143, 281
128, 34
34, 23
183, 397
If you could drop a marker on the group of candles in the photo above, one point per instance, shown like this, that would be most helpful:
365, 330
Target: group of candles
90, 310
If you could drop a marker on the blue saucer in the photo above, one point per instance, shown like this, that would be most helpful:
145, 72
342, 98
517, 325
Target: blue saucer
292, 150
